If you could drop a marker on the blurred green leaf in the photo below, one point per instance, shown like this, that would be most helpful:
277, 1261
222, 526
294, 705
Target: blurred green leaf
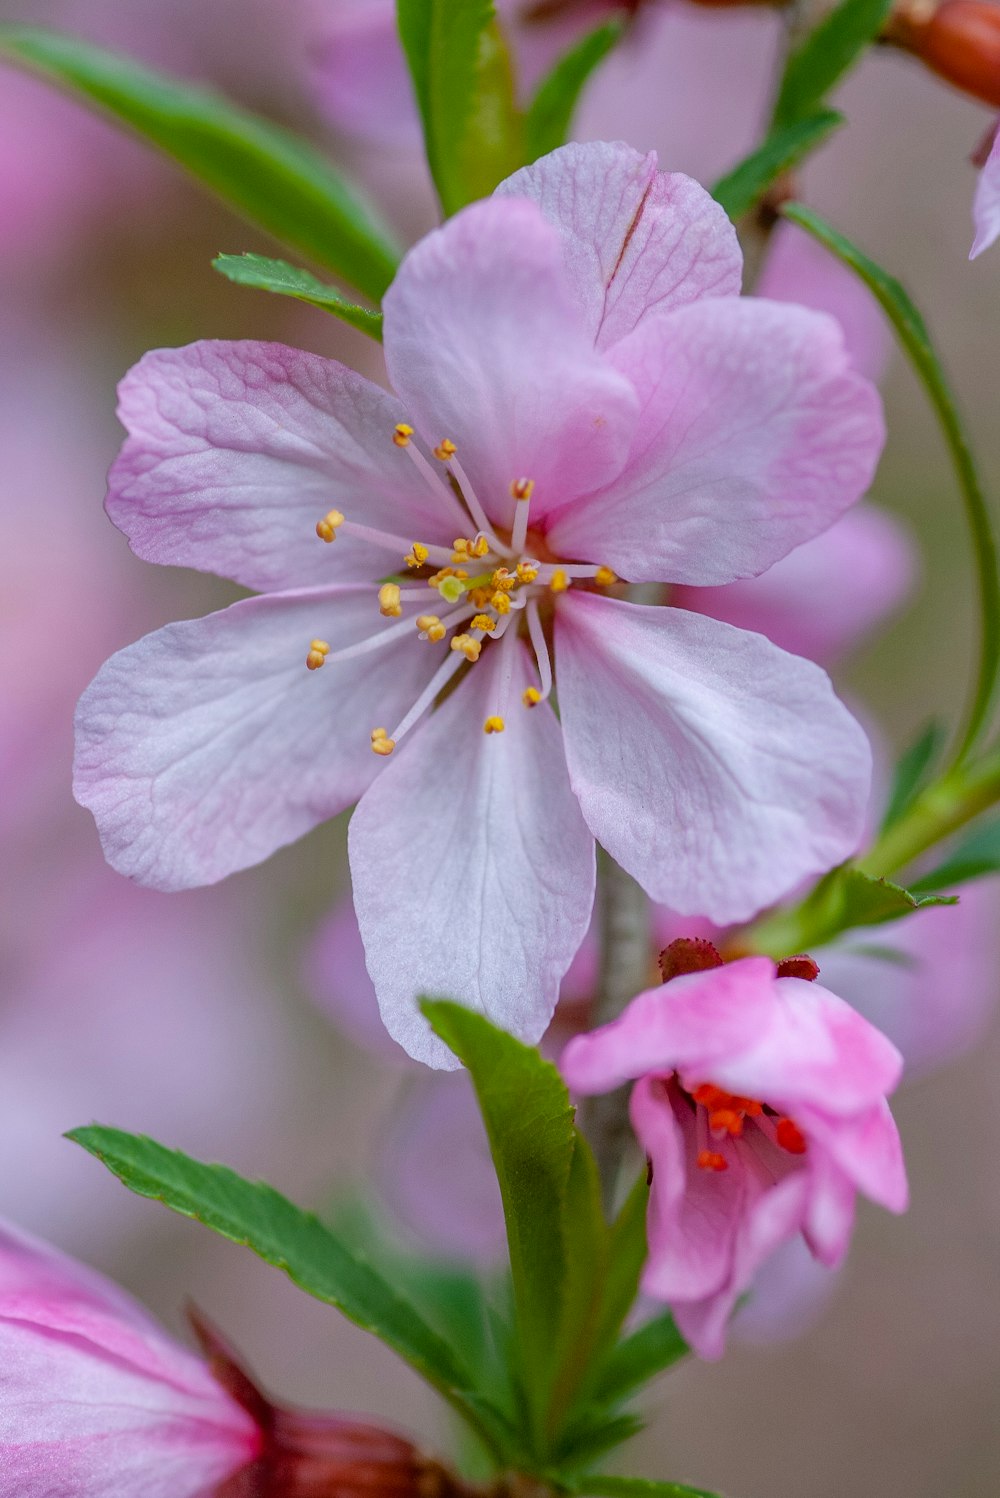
464, 86
912, 333
264, 274
602, 1486
556, 1232
656, 1346
742, 188
913, 771
591, 1433
976, 857
550, 113
271, 176
255, 1215
826, 54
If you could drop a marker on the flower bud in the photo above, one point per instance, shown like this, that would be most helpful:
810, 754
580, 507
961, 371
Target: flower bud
960, 41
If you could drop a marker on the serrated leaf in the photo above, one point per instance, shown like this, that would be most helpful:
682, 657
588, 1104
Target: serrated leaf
551, 111
912, 333
271, 176
603, 1486
742, 188
826, 54
976, 857
556, 1234
847, 898
264, 274
257, 1216
912, 771
464, 86
656, 1346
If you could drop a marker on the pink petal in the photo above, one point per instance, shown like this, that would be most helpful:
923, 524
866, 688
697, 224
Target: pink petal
208, 744
360, 78
986, 203
235, 450
815, 1050
716, 769
831, 1210
473, 870
866, 1147
755, 435
693, 1023
336, 977
799, 269
822, 599
636, 240
791, 1292
485, 346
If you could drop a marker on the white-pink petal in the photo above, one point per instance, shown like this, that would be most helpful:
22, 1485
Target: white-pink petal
236, 450
715, 768
755, 436
208, 744
473, 869
637, 241
484, 346
986, 203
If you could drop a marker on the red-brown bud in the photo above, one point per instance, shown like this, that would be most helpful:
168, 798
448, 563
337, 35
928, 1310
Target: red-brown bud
799, 967
309, 1455
688, 954
960, 41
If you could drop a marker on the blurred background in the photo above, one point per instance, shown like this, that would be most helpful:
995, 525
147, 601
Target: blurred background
233, 1021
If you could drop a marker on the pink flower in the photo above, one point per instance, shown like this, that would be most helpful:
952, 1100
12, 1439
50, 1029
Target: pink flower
761, 1103
986, 203
574, 354
95, 1399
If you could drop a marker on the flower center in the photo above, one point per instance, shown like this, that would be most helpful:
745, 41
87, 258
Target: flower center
478, 592
721, 1115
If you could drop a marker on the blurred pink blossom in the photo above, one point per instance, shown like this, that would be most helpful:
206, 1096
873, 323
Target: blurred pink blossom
986, 203
95, 1398
761, 1102
666, 429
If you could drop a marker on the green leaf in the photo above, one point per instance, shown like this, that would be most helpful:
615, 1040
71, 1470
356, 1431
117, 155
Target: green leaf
556, 1233
626, 1257
278, 276
826, 54
843, 900
550, 113
742, 188
271, 176
464, 86
602, 1486
975, 857
593, 1432
255, 1215
655, 1347
913, 770
915, 339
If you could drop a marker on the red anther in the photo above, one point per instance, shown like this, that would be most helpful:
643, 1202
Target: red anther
688, 954
799, 967
726, 1120
960, 41
709, 1096
712, 1160
307, 1455
790, 1137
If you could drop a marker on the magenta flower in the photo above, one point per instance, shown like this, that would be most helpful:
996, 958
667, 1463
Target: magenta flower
986, 203
595, 397
761, 1103
95, 1399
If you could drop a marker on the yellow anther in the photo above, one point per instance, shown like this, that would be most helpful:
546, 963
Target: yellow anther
326, 529
503, 580
500, 602
460, 544
526, 573
531, 697
445, 450
558, 582
402, 434
388, 600
417, 555
431, 626
381, 742
494, 725
522, 488
483, 621
321, 646
604, 577
479, 597
316, 658
469, 647
480, 547
461, 572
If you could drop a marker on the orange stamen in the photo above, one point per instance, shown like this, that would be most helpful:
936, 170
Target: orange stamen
712, 1160
790, 1137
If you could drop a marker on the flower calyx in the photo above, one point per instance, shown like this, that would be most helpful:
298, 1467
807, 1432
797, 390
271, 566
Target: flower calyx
310, 1455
